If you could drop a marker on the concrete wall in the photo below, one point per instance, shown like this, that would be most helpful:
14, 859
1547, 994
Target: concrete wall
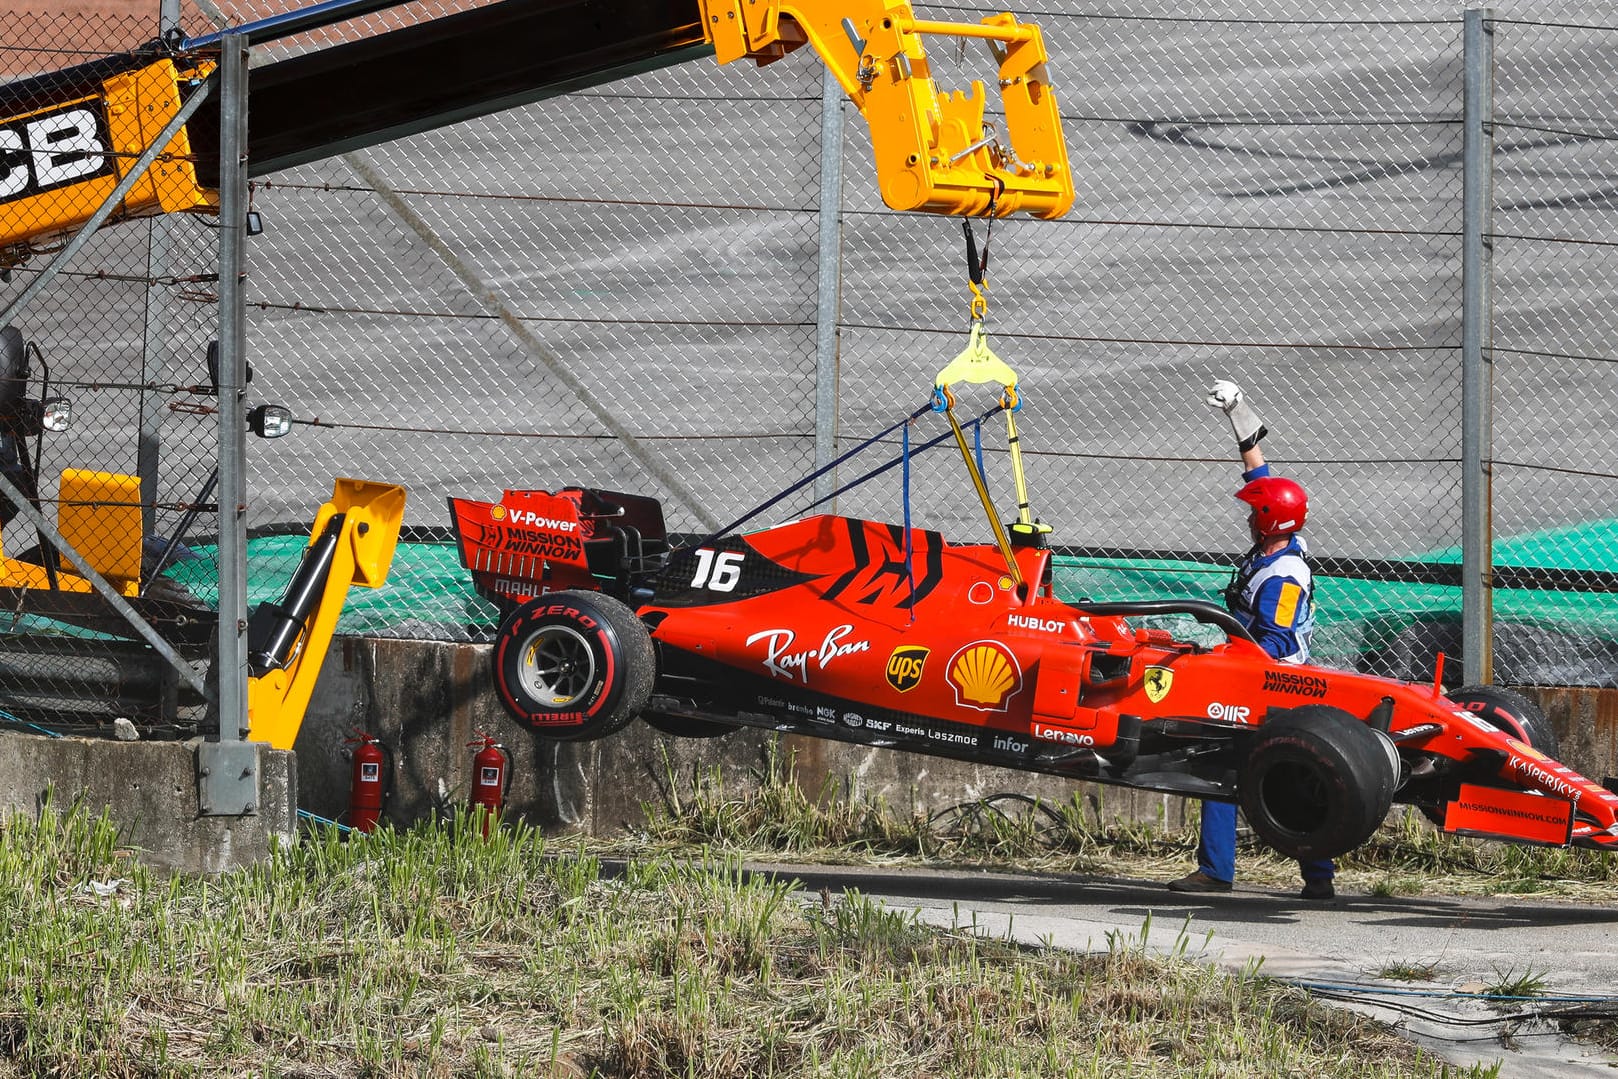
425, 700
1586, 721
150, 791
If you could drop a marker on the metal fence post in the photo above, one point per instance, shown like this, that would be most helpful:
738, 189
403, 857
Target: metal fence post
228, 783
1477, 359
154, 335
830, 280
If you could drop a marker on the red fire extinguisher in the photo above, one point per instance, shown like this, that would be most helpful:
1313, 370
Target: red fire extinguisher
368, 787
491, 768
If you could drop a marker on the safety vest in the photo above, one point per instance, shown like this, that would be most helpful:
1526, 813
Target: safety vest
1287, 614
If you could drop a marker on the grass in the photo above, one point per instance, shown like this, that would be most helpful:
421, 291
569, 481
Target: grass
435, 952
1511, 983
1406, 971
774, 817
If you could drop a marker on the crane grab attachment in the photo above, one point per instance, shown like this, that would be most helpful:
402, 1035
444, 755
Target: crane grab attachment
934, 151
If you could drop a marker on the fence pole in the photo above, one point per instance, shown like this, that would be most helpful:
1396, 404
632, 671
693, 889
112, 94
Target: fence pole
830, 280
231, 663
227, 768
155, 343
1477, 357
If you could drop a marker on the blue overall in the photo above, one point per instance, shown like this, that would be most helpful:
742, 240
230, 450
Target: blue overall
1271, 597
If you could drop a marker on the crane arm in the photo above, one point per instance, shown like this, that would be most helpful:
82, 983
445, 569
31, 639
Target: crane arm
935, 152
68, 137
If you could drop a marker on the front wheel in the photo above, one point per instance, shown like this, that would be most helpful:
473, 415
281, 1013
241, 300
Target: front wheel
1317, 782
575, 666
1509, 711
1504, 710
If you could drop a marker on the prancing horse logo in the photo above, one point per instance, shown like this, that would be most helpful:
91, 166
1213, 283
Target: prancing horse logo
1158, 681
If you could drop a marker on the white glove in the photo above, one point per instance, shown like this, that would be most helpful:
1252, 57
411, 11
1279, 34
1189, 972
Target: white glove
1227, 397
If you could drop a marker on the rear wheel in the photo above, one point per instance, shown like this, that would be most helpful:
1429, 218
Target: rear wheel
575, 666
1317, 782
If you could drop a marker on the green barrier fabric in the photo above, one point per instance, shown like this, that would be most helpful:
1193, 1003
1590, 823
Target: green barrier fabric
429, 595
428, 586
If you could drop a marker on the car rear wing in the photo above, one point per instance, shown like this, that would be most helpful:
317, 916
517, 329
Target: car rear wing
533, 542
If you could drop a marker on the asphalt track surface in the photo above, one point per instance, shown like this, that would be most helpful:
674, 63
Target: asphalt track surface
648, 242
484, 305
1334, 949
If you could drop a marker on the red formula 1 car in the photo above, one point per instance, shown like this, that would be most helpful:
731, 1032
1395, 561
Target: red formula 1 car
868, 633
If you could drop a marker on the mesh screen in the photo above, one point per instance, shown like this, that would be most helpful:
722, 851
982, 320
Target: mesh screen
619, 288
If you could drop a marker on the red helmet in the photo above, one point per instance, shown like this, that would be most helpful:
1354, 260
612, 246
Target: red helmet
1279, 506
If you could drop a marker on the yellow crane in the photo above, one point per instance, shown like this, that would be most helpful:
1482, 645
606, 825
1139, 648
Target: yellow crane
69, 139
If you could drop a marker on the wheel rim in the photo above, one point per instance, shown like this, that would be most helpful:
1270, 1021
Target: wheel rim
556, 667
1297, 798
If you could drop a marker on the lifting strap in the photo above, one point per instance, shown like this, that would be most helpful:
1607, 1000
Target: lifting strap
904, 487
977, 363
895, 462
944, 401
811, 477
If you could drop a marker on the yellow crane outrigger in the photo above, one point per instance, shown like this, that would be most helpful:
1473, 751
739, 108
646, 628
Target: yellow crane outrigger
351, 544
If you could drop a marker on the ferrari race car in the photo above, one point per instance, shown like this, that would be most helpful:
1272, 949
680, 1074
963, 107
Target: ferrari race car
879, 635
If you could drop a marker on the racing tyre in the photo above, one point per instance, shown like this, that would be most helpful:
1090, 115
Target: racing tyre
1509, 711
1317, 782
575, 666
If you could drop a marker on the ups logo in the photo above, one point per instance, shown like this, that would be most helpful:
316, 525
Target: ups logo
905, 666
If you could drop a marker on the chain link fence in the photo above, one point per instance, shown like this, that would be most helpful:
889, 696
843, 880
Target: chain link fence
120, 334
1556, 399
620, 288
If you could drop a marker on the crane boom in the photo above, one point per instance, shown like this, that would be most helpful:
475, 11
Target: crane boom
67, 137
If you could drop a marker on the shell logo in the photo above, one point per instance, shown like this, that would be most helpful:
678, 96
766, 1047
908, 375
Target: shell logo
985, 675
497, 512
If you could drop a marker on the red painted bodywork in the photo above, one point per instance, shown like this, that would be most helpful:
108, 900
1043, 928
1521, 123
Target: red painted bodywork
839, 621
